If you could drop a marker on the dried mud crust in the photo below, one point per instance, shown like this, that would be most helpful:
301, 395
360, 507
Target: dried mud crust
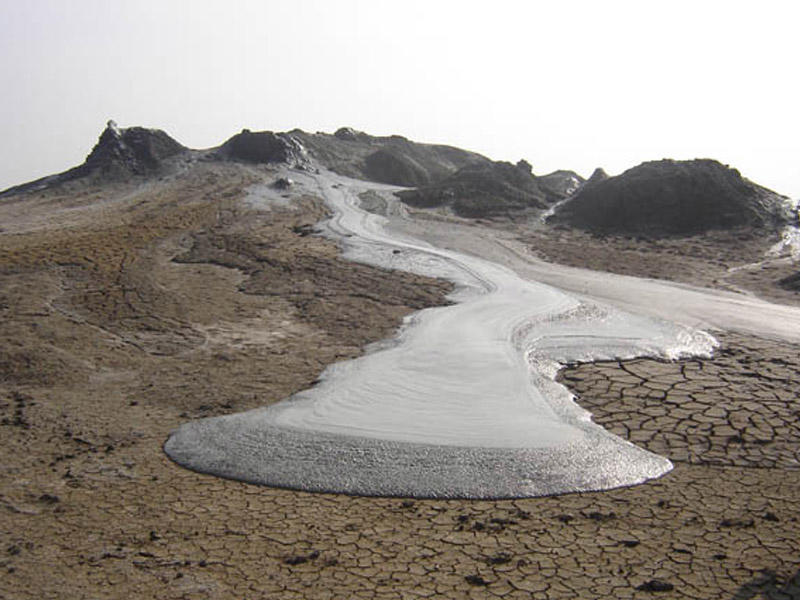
731, 260
109, 516
740, 409
93, 382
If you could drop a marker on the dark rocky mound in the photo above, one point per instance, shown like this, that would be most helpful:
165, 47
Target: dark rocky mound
135, 150
263, 147
118, 154
672, 198
492, 189
392, 159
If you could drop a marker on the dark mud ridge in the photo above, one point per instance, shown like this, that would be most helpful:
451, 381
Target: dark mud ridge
673, 198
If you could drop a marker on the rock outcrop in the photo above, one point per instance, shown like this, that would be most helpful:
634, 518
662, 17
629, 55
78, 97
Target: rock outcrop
672, 198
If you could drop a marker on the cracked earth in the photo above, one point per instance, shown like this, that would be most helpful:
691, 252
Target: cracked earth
182, 303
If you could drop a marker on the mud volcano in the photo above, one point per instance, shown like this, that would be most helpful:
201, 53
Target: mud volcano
119, 154
673, 198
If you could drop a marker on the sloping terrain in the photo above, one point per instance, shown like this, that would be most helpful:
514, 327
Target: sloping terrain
673, 198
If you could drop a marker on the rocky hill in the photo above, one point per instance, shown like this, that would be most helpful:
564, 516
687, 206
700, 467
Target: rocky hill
669, 198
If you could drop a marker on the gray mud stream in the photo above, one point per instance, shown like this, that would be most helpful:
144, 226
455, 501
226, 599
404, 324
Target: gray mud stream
461, 403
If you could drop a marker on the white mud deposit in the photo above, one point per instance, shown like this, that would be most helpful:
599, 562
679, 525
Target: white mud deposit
790, 240
462, 403
266, 196
478, 373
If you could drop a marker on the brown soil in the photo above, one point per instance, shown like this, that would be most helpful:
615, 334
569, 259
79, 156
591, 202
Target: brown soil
107, 343
731, 260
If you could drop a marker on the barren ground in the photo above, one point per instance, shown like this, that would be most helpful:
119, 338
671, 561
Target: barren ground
122, 319
731, 260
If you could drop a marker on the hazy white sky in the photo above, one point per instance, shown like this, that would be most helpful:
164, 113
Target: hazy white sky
563, 84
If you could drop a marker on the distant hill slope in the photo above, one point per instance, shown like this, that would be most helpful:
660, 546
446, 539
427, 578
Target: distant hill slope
658, 198
118, 153
669, 197
121, 153
393, 159
493, 189
468, 183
